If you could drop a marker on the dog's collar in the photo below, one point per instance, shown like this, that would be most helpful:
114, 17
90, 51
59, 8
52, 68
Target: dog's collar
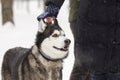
46, 56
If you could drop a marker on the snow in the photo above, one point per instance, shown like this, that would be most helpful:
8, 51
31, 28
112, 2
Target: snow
23, 32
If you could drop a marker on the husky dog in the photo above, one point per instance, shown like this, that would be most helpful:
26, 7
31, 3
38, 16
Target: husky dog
43, 61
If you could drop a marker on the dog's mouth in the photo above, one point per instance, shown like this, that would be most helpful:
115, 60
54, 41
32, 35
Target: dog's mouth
61, 49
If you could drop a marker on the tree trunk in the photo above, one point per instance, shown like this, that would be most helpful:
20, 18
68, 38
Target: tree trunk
7, 11
44, 5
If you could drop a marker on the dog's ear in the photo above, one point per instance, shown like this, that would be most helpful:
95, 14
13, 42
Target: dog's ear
41, 26
55, 22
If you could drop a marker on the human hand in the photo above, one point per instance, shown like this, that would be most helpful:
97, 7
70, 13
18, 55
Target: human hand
51, 11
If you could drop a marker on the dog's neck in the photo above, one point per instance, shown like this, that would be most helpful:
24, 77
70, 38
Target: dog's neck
45, 56
40, 68
46, 62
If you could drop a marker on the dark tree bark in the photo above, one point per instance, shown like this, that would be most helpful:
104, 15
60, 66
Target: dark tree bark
7, 11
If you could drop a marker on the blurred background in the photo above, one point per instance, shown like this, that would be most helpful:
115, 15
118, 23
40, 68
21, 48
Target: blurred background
18, 27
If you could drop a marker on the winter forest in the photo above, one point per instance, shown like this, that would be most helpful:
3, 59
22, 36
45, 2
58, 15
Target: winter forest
19, 25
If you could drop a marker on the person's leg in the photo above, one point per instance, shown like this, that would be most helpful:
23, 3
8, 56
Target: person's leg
98, 76
79, 72
73, 27
113, 76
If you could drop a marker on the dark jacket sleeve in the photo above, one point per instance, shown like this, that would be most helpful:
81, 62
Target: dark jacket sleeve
58, 3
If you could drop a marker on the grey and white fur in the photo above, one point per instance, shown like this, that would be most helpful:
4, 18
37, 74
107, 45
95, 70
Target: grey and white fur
43, 61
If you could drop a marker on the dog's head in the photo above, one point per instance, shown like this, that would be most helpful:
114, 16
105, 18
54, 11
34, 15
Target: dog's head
51, 40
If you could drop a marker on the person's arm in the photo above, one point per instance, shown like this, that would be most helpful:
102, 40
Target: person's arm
58, 3
52, 9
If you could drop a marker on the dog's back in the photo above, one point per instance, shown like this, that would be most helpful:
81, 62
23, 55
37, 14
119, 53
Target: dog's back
11, 62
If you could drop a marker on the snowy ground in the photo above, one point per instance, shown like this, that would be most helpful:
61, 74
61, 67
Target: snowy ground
24, 31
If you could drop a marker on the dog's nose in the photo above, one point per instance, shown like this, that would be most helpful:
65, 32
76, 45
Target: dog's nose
67, 41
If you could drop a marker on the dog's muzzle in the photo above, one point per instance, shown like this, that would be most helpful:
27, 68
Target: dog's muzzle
65, 48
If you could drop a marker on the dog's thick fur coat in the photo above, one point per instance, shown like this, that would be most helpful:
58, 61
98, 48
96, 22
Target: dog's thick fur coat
30, 64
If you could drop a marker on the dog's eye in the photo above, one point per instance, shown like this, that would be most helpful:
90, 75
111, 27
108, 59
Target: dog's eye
55, 35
